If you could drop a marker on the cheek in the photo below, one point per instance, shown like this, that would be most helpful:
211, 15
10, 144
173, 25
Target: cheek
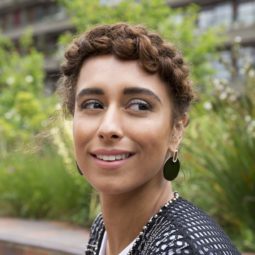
82, 133
77, 131
152, 135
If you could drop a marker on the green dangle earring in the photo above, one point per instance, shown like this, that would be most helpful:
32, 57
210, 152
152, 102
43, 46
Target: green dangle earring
172, 167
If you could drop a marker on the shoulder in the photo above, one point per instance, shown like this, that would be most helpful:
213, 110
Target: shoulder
97, 225
96, 234
185, 229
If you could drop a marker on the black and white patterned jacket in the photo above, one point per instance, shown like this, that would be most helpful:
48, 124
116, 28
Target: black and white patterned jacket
180, 228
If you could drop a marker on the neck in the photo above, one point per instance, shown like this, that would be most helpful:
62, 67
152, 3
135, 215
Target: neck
125, 214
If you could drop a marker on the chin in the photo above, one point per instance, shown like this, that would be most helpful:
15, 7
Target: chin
111, 189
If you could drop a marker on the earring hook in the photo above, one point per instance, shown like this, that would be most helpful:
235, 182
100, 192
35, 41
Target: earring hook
175, 156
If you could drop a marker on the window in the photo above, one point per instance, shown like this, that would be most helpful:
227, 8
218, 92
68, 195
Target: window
3, 22
8, 22
246, 58
39, 13
60, 13
16, 18
30, 15
222, 67
23, 17
217, 15
246, 13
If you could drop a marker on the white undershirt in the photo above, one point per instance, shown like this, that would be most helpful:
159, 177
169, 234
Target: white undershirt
104, 242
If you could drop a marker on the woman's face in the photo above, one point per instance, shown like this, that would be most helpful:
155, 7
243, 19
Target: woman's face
122, 125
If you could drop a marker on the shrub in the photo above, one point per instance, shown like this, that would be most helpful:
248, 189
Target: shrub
219, 157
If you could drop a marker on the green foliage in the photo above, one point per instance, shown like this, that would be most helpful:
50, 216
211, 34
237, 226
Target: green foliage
36, 167
61, 138
219, 151
23, 107
37, 186
177, 25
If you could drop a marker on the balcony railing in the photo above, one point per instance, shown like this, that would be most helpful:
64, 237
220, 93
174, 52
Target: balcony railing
44, 27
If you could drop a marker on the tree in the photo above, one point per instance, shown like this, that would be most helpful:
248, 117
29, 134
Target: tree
32, 182
219, 146
176, 25
218, 152
23, 106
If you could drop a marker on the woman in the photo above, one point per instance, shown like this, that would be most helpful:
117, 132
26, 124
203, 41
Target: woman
129, 93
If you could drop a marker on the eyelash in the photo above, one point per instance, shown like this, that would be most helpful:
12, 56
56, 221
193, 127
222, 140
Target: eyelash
133, 102
140, 103
85, 104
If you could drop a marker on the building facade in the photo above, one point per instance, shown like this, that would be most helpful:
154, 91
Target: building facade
238, 18
48, 20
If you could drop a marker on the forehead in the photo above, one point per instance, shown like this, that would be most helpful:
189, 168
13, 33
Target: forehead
111, 73
107, 65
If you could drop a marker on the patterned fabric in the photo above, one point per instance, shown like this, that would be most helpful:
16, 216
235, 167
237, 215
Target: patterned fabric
181, 228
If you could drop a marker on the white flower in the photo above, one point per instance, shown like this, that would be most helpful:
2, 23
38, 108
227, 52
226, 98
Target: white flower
208, 106
224, 81
238, 39
10, 80
216, 81
217, 84
219, 87
9, 115
250, 129
58, 107
232, 98
251, 73
29, 78
223, 96
229, 90
247, 118
252, 123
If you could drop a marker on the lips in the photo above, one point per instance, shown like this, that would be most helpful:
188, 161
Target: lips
111, 155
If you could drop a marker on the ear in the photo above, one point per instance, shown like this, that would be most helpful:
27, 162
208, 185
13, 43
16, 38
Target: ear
177, 132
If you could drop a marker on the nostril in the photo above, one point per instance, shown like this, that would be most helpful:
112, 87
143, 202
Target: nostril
109, 136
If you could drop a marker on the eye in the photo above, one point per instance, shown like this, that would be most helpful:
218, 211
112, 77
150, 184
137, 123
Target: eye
91, 105
139, 105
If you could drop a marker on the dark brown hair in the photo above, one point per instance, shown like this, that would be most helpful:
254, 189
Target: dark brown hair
128, 42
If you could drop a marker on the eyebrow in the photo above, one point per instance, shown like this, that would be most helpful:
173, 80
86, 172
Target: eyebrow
127, 91
137, 90
89, 91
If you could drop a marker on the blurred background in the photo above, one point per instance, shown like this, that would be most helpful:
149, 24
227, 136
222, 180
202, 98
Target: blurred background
38, 177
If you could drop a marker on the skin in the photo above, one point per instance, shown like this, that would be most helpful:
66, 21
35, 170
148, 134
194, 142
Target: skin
120, 106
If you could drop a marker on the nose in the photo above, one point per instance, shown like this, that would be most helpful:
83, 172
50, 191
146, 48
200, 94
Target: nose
110, 127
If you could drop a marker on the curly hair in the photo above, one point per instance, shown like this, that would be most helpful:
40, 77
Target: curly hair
127, 42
